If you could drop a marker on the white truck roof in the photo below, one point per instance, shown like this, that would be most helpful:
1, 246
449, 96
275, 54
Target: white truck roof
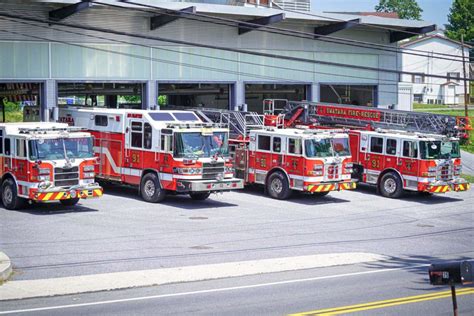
41, 130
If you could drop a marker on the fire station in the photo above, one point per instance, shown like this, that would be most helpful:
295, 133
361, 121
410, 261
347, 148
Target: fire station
157, 54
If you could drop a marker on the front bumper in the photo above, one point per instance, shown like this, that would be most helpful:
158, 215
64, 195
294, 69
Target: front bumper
56, 194
184, 186
443, 187
327, 187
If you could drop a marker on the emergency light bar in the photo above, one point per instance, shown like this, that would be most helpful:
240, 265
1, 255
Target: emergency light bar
38, 130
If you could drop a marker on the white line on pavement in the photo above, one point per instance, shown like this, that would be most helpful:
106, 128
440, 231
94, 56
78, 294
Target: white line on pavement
143, 298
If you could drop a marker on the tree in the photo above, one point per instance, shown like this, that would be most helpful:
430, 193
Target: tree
406, 9
461, 20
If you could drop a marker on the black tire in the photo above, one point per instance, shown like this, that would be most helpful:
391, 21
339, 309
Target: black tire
69, 202
201, 196
150, 188
277, 186
391, 185
320, 194
10, 198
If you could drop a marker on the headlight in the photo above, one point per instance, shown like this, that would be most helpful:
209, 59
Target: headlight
187, 170
89, 175
44, 178
44, 171
229, 169
88, 168
432, 169
349, 165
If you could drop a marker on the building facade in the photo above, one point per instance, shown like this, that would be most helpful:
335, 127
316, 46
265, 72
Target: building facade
118, 55
431, 90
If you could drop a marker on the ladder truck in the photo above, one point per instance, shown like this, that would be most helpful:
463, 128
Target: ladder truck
393, 150
46, 162
286, 160
160, 152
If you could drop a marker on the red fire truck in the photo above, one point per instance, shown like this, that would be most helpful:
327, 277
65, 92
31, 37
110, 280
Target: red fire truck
44, 162
159, 151
421, 153
283, 160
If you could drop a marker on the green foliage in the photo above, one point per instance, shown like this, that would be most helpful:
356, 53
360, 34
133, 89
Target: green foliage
421, 106
406, 9
461, 20
13, 112
162, 100
467, 177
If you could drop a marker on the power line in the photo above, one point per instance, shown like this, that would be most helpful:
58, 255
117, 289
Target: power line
185, 43
272, 29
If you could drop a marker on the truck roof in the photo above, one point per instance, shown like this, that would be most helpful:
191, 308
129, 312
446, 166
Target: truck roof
407, 135
300, 132
41, 130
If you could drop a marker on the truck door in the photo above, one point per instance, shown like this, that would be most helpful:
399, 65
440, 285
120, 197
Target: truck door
277, 157
19, 164
374, 158
408, 163
295, 164
391, 153
134, 150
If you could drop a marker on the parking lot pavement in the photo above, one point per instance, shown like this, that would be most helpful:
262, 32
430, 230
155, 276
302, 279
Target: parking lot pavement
120, 232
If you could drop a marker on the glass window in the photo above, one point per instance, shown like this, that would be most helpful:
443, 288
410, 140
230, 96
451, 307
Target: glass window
276, 144
162, 117
1, 145
420, 78
20, 148
341, 146
439, 150
454, 76
185, 116
263, 142
318, 148
137, 135
391, 148
101, 120
199, 145
294, 146
7, 146
376, 145
410, 149
147, 136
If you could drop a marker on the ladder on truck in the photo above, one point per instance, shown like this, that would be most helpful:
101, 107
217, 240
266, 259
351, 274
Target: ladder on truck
340, 115
239, 123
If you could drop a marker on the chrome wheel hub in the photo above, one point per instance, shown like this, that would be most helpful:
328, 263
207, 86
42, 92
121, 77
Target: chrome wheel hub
276, 185
150, 188
390, 185
8, 195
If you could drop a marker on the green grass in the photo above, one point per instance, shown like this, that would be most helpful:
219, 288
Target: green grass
420, 106
448, 112
468, 178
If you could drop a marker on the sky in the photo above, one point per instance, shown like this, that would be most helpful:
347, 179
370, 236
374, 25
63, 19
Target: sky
435, 11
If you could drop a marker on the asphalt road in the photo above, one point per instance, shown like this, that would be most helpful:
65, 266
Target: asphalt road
119, 232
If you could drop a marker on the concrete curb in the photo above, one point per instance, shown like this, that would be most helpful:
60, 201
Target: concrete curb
22, 289
5, 268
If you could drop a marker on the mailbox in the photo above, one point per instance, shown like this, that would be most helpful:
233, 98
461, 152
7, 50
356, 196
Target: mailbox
451, 273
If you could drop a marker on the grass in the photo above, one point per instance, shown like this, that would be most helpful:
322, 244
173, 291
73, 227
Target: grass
421, 106
468, 178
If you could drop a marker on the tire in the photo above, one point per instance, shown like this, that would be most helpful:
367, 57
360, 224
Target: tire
150, 188
320, 194
277, 186
201, 196
391, 185
10, 198
69, 202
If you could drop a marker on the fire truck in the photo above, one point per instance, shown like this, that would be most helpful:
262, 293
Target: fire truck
45, 162
286, 160
161, 152
394, 150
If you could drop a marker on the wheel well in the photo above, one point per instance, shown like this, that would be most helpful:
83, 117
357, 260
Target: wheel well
387, 171
8, 176
276, 170
144, 173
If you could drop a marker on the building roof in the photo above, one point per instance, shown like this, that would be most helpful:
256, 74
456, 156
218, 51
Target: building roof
429, 37
246, 12
390, 15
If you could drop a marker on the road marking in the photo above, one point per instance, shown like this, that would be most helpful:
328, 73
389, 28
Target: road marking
385, 303
244, 287
129, 279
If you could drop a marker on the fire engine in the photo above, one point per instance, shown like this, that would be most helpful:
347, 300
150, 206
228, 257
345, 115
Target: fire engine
394, 150
159, 151
284, 160
44, 162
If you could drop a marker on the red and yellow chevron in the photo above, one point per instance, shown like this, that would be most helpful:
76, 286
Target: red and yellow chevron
439, 189
56, 196
461, 187
347, 186
321, 187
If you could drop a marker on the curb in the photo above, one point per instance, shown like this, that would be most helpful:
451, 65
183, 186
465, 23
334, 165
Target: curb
5, 268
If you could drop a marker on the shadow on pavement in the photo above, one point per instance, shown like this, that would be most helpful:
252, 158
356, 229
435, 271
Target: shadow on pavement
52, 209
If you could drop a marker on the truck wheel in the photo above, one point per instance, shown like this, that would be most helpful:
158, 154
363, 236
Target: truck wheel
10, 198
278, 186
320, 194
391, 185
69, 202
150, 188
200, 196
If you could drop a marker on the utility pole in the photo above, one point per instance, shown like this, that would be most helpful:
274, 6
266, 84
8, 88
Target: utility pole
466, 98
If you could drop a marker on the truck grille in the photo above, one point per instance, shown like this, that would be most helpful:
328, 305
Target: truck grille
65, 177
445, 173
210, 171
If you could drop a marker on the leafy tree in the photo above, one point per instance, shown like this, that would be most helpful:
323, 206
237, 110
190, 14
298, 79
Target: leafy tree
461, 20
406, 9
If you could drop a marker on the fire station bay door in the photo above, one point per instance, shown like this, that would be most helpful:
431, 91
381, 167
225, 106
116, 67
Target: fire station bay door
134, 146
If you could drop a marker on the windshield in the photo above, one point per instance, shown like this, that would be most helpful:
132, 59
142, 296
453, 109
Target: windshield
62, 148
199, 145
439, 150
320, 148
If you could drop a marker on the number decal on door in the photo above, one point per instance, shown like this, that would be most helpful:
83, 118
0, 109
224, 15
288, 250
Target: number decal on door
375, 164
135, 158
